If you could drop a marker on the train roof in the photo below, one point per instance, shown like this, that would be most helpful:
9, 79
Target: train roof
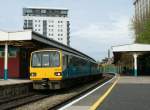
54, 49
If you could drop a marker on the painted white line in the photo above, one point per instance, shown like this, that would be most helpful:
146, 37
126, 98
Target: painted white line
76, 100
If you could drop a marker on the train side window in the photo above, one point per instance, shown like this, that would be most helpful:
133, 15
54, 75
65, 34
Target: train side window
64, 61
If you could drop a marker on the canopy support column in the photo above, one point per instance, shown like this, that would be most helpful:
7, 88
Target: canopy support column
135, 55
6, 62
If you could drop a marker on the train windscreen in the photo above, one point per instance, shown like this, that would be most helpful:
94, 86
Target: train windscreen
46, 59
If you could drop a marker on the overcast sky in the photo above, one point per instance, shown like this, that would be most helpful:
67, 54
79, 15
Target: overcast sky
96, 25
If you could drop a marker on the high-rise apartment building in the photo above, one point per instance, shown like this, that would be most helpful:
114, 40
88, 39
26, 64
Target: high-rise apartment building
142, 9
52, 23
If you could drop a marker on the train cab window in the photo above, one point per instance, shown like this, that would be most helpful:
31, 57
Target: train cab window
45, 59
36, 60
54, 59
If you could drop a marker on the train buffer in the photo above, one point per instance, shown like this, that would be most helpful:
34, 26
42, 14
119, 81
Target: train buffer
121, 93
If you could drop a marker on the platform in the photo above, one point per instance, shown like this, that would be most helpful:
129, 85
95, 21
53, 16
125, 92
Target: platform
129, 93
90, 98
14, 87
13, 81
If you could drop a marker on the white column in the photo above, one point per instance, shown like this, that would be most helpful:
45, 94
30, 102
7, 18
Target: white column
135, 63
6, 62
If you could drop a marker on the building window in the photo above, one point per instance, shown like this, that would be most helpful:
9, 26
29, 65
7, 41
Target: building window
51, 26
51, 30
11, 53
51, 34
60, 30
1, 53
25, 23
30, 24
29, 10
43, 11
60, 26
50, 21
60, 21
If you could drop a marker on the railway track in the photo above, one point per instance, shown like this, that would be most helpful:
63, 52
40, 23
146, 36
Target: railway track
51, 99
7, 104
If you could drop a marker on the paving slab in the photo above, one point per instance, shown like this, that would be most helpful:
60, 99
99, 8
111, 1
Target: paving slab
87, 102
130, 93
13, 81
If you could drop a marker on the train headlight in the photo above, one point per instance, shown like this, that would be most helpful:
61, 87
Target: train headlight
58, 74
32, 74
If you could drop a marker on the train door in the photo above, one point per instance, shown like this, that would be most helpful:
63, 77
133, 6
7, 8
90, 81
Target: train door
65, 65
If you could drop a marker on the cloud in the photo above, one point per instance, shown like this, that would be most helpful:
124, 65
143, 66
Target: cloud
96, 38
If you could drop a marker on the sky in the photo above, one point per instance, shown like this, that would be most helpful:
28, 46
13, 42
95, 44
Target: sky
96, 25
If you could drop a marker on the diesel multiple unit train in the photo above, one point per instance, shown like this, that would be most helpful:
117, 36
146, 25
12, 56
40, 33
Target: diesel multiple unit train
56, 69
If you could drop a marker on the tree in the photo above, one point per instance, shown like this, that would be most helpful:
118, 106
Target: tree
141, 27
144, 34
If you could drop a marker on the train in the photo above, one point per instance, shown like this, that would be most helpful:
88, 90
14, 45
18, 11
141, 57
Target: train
56, 69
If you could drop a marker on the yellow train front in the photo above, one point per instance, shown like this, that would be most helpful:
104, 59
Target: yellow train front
56, 69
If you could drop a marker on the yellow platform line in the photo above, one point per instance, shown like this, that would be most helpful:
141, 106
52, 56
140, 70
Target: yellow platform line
102, 98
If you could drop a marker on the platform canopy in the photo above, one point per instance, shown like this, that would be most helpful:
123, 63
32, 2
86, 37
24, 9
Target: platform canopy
132, 48
31, 39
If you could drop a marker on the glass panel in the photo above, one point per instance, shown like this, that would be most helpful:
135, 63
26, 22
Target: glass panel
54, 59
45, 59
1, 53
12, 53
36, 60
